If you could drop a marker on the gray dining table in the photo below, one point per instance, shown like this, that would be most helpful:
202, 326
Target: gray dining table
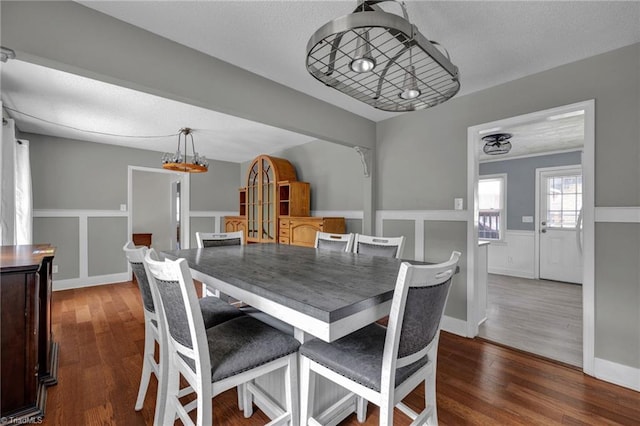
321, 293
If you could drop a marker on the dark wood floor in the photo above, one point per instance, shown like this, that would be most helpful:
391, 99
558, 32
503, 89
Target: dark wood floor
101, 335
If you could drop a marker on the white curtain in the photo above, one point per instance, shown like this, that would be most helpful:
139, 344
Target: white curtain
16, 206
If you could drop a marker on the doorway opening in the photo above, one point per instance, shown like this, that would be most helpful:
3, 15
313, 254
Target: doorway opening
148, 190
528, 215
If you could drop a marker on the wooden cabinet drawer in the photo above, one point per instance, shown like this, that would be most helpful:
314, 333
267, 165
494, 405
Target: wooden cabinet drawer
284, 223
283, 240
284, 232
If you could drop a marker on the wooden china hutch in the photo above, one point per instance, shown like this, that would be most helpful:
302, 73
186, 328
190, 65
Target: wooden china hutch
275, 207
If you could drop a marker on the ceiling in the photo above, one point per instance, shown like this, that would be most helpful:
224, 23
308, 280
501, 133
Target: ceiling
490, 42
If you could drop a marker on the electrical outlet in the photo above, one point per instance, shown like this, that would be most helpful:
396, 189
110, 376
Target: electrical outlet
458, 203
123, 207
509, 259
54, 269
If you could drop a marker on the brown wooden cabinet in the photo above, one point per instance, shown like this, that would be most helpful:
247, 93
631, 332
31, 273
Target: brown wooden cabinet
236, 223
142, 239
294, 198
275, 206
28, 352
301, 231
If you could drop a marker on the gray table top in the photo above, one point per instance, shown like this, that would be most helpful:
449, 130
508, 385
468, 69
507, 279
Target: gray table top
323, 284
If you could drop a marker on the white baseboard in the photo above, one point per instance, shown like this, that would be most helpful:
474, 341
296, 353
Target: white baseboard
511, 272
621, 375
90, 281
454, 326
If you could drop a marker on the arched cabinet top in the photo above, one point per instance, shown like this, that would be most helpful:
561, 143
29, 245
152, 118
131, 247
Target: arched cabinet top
282, 168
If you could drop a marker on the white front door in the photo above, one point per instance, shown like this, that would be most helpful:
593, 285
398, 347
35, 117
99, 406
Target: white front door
560, 246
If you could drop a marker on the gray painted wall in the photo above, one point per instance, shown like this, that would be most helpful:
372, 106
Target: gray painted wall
422, 158
334, 172
64, 234
151, 209
521, 183
97, 180
106, 236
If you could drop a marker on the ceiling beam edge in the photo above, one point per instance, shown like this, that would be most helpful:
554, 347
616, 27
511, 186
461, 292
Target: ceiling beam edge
73, 38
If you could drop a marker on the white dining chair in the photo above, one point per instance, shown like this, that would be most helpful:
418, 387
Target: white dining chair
384, 364
213, 360
214, 312
379, 246
218, 239
334, 242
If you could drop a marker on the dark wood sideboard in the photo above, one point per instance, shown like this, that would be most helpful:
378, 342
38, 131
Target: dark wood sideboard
29, 355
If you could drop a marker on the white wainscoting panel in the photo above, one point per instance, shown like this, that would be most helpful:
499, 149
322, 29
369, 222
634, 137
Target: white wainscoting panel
514, 256
84, 280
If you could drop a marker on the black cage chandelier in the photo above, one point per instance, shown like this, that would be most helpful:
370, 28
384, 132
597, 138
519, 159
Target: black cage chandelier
381, 59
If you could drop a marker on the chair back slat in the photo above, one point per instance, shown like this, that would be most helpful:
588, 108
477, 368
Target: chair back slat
334, 242
421, 320
181, 314
175, 311
419, 300
213, 239
135, 256
379, 246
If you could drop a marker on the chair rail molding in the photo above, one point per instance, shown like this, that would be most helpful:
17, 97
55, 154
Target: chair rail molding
618, 214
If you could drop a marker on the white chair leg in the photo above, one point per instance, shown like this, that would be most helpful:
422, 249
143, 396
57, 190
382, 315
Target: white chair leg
361, 409
161, 396
430, 396
386, 412
172, 390
147, 369
291, 389
247, 400
205, 414
240, 392
307, 391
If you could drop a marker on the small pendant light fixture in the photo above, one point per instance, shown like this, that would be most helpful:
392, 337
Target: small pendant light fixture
410, 86
363, 60
497, 143
178, 161
381, 59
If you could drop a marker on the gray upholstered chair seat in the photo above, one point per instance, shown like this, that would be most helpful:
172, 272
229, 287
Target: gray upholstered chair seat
242, 344
216, 311
358, 356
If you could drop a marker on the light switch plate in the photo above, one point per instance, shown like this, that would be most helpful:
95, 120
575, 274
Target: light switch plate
123, 207
458, 203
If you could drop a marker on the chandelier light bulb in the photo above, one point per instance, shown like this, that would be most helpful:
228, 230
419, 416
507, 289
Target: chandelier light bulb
363, 61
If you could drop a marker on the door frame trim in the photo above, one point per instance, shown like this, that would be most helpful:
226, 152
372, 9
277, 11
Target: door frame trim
185, 202
536, 226
588, 204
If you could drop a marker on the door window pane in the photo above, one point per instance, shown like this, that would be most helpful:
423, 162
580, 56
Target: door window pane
564, 201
